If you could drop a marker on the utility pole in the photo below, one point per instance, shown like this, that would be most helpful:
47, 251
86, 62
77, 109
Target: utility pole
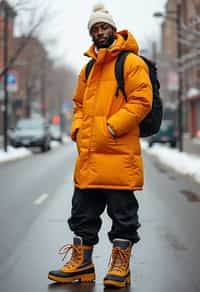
180, 75
8, 15
5, 87
43, 88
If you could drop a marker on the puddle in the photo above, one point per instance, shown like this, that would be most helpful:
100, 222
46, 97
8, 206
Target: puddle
174, 242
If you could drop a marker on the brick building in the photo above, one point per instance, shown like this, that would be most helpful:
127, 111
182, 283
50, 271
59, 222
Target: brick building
31, 69
190, 64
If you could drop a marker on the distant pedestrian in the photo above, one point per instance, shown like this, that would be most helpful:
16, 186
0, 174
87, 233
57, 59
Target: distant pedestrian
109, 166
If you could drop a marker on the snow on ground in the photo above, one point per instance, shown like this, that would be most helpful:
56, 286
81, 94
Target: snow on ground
13, 154
19, 153
181, 162
54, 144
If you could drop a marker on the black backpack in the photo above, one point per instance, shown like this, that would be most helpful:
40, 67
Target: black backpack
151, 123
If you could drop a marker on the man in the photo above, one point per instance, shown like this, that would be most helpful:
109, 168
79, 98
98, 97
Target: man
109, 165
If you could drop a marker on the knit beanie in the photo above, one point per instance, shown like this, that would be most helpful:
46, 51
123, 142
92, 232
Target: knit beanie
100, 14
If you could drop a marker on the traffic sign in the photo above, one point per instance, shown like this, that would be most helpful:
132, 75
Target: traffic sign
65, 107
12, 82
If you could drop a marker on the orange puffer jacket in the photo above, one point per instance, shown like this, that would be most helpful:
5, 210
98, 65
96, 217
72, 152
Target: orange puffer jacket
105, 161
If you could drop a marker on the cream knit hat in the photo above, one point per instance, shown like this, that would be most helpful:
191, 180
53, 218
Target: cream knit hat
100, 14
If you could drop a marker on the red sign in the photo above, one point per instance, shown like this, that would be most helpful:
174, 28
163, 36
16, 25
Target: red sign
56, 120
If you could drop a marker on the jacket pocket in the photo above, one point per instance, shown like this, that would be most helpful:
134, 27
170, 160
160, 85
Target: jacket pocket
102, 140
78, 140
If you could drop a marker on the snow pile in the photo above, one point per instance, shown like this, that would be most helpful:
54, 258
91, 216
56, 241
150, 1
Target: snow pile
183, 163
13, 154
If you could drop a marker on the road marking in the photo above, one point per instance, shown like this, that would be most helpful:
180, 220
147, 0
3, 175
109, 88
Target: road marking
40, 199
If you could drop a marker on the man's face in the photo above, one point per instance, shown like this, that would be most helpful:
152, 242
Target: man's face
103, 34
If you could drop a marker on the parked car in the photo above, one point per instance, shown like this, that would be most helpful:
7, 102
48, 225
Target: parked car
31, 133
56, 133
166, 134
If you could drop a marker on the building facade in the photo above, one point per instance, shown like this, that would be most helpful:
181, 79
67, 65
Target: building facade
189, 38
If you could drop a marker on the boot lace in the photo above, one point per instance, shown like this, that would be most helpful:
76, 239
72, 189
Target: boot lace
119, 259
75, 256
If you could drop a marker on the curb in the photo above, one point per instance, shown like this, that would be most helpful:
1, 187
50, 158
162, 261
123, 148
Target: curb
191, 175
14, 155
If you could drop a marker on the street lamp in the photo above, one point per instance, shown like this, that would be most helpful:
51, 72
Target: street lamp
177, 19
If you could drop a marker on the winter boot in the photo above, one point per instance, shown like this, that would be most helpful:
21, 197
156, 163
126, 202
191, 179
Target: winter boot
119, 274
79, 267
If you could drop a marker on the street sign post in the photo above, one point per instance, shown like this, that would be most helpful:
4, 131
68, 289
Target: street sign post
12, 82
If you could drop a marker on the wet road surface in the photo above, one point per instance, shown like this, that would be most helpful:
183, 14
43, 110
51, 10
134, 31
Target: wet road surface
24, 187
166, 259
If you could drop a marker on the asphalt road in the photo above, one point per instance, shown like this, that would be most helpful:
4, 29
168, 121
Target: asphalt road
25, 185
35, 203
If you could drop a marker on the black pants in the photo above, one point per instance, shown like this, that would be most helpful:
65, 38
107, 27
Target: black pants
89, 204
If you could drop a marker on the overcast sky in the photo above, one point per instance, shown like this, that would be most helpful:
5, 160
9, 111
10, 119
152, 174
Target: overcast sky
67, 26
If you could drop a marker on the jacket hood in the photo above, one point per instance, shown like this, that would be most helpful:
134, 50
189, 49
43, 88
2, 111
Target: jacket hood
125, 41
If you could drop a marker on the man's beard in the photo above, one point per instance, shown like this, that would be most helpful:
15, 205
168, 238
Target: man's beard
105, 44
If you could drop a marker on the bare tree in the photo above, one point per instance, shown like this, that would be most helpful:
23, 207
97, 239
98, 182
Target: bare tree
30, 28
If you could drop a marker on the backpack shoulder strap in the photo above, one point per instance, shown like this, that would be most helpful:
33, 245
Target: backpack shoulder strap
89, 68
151, 65
119, 73
153, 74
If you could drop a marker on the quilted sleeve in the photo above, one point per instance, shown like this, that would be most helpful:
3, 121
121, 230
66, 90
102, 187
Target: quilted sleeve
78, 101
139, 92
